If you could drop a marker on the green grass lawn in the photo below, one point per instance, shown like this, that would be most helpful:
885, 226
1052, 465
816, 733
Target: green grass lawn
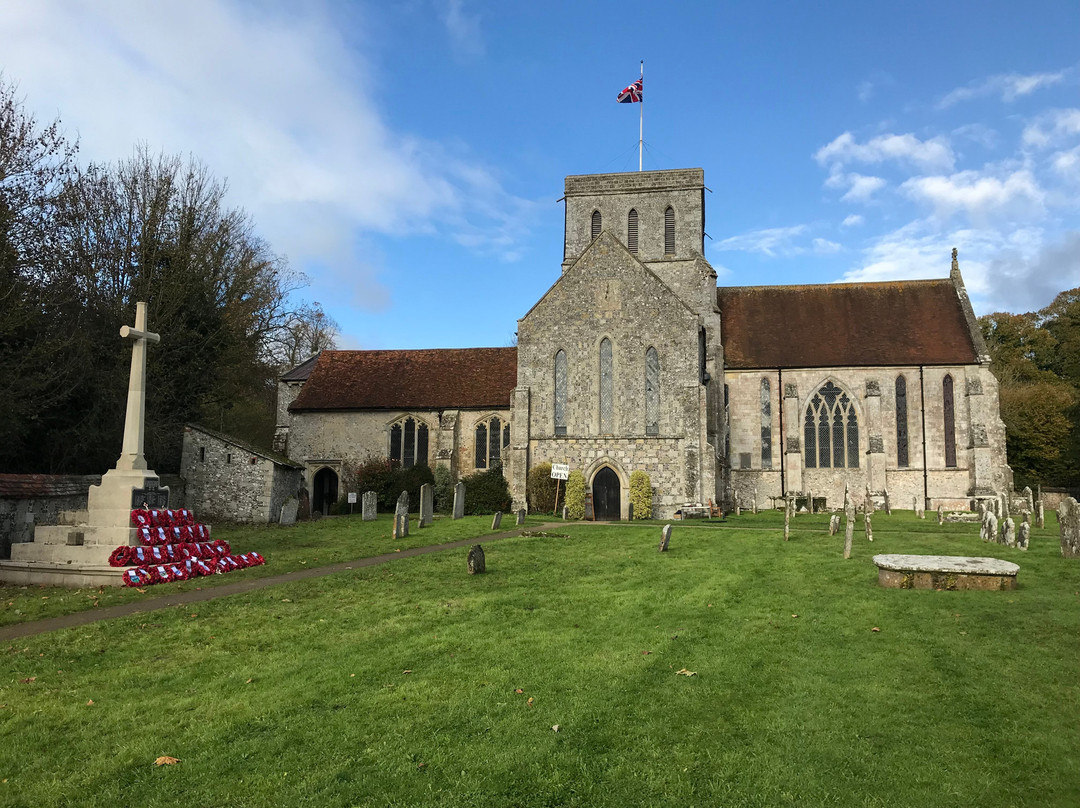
396, 685
307, 544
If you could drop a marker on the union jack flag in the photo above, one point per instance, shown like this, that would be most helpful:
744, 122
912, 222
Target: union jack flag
632, 94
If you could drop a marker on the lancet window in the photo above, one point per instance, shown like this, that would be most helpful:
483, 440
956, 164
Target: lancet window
901, 423
560, 393
950, 421
409, 443
652, 392
492, 436
607, 388
766, 424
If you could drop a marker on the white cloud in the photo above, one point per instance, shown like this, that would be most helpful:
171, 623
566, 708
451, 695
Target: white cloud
272, 98
770, 241
977, 194
935, 153
1009, 86
853, 220
1067, 163
463, 28
822, 246
1052, 128
862, 188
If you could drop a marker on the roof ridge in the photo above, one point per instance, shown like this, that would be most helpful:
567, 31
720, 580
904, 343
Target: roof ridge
838, 284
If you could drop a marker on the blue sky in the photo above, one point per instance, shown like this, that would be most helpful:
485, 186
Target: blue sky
407, 156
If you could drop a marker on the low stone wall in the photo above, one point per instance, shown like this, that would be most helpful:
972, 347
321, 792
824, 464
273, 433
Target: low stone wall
29, 500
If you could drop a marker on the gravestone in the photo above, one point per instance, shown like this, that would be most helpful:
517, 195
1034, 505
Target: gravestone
427, 507
787, 519
370, 505
288, 511
475, 561
1005, 506
849, 528
1069, 525
869, 506
1040, 515
1029, 497
846, 497
834, 524
941, 514
738, 510
989, 527
496, 521
755, 500
869, 528
665, 538
888, 504
565, 511
1008, 532
459, 500
401, 516
1023, 534
520, 516
810, 501
630, 512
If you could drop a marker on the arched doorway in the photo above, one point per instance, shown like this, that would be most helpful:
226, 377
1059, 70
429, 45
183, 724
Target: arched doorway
607, 495
324, 491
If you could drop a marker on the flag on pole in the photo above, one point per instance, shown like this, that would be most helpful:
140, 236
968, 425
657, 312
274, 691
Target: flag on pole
633, 93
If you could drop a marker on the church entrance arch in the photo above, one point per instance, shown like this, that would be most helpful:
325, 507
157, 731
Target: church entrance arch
324, 490
607, 495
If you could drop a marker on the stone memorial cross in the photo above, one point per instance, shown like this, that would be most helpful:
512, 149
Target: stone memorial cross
132, 457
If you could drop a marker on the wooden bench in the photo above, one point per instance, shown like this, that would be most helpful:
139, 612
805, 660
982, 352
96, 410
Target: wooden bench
945, 572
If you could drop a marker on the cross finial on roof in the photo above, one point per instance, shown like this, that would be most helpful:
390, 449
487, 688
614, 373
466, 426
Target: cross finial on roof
955, 261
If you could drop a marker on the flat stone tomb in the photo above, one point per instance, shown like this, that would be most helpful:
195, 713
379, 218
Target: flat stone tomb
945, 572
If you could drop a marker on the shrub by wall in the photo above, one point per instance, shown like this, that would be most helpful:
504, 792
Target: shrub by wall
541, 490
575, 495
486, 492
641, 494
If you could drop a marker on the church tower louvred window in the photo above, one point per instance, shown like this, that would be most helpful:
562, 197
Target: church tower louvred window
950, 421
597, 223
669, 231
652, 392
632, 232
901, 423
560, 393
831, 430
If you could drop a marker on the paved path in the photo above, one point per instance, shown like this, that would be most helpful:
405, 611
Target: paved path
241, 586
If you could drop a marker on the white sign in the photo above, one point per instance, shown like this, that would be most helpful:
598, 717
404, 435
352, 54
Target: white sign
560, 471
352, 497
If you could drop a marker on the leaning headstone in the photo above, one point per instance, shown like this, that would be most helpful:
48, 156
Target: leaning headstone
427, 504
990, 527
834, 524
1008, 532
459, 500
869, 528
370, 505
665, 537
1040, 515
849, 528
475, 560
496, 521
289, 510
888, 503
941, 514
1023, 535
1029, 497
1069, 525
520, 516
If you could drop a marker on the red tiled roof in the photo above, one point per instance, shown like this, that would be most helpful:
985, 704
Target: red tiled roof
844, 325
467, 378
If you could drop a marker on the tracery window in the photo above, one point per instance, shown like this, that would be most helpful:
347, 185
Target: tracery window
632, 231
669, 231
831, 430
901, 423
766, 424
492, 436
596, 223
652, 392
560, 393
607, 389
409, 443
950, 421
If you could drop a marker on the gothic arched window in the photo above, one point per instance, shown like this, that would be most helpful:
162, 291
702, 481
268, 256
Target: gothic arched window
560, 393
409, 443
950, 421
901, 423
831, 430
669, 231
607, 389
492, 436
766, 425
596, 223
652, 392
631, 231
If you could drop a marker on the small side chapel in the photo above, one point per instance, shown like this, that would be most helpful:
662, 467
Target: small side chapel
634, 359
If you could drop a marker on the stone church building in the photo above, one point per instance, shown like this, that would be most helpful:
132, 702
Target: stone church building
634, 359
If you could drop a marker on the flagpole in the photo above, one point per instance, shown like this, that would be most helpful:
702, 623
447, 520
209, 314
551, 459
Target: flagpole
641, 117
